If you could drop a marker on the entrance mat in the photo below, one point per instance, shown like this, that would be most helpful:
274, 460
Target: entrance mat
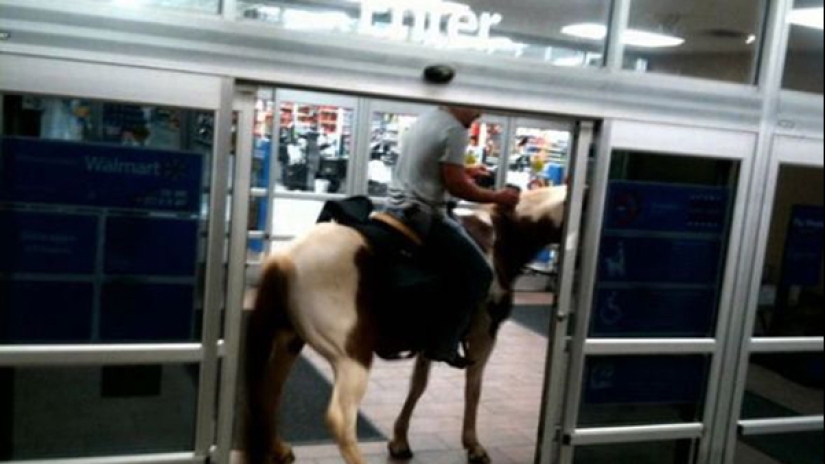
533, 317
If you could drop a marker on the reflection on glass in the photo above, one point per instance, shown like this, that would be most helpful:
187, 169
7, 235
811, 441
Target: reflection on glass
797, 448
89, 412
387, 133
198, 6
538, 158
643, 390
486, 145
791, 297
531, 31
806, 54
784, 385
713, 39
315, 144
109, 181
638, 453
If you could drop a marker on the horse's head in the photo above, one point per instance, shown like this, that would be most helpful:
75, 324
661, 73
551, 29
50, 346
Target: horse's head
514, 237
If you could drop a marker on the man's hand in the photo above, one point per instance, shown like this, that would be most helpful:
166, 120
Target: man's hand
507, 198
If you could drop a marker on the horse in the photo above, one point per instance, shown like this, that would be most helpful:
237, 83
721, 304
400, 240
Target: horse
314, 292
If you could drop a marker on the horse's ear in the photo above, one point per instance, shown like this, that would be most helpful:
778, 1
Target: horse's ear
480, 226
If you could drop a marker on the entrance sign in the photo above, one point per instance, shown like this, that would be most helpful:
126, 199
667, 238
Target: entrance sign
432, 22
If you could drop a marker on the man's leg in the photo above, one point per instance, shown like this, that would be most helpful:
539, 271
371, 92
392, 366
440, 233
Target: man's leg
468, 276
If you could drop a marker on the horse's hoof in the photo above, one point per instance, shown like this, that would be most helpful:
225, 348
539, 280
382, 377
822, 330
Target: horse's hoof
478, 457
400, 453
286, 458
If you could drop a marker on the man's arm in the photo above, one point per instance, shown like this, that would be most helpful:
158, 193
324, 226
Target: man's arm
460, 185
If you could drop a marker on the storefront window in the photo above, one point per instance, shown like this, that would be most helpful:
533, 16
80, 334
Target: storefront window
804, 65
713, 39
102, 222
791, 295
199, 6
530, 30
794, 448
676, 452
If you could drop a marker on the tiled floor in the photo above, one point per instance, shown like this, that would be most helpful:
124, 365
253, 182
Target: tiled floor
508, 414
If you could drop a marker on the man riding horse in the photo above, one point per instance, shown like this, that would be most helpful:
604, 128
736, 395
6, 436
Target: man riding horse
321, 289
430, 169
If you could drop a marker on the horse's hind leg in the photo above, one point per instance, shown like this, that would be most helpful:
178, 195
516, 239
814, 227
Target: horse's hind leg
287, 348
264, 444
351, 378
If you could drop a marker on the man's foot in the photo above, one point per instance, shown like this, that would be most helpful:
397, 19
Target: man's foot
452, 358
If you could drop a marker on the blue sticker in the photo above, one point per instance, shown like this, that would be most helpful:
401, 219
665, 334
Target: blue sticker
45, 312
654, 312
804, 247
47, 243
103, 176
660, 260
143, 312
667, 208
151, 246
645, 380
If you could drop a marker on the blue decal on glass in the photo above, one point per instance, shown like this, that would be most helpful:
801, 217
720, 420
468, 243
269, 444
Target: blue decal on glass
804, 247
151, 246
47, 243
81, 174
45, 312
142, 312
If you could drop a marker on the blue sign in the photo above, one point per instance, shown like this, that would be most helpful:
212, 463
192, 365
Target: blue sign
645, 380
151, 246
667, 208
143, 312
47, 243
104, 176
647, 312
45, 312
804, 247
660, 260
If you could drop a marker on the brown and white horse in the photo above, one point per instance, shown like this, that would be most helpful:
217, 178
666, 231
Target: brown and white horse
314, 293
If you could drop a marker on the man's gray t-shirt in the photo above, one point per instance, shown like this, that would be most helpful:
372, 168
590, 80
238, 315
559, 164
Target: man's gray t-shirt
436, 138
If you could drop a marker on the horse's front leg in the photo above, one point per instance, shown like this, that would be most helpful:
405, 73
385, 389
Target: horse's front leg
399, 447
480, 346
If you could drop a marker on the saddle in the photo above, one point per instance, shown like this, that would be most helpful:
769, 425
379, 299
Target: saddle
406, 287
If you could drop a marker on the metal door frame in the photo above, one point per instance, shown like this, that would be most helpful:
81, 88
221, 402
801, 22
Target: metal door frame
35, 76
584, 136
666, 140
244, 106
786, 151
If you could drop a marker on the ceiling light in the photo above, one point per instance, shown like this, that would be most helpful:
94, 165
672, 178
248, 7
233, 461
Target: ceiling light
751, 39
5, 35
632, 37
808, 17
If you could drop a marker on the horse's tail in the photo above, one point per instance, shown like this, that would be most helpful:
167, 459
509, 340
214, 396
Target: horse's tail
269, 315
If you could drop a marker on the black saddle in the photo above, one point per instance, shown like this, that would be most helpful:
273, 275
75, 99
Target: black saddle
405, 286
